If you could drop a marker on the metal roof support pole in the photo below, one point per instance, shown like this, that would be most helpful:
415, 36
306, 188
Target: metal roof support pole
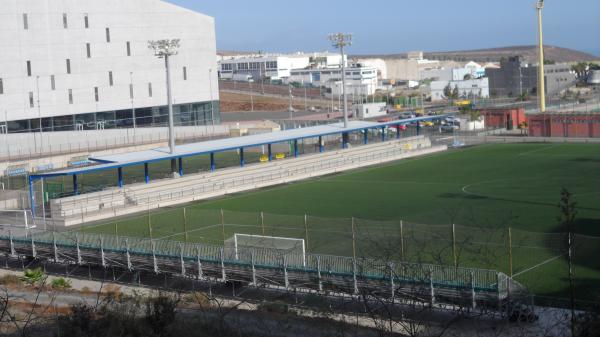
431, 288
344, 140
222, 256
182, 260
418, 128
270, 151
295, 148
120, 176
75, 187
200, 276
213, 165
398, 131
180, 161
473, 298
102, 252
366, 136
285, 274
79, 259
242, 163
12, 244
33, 251
321, 146
146, 173
253, 269
319, 273
383, 134
54, 247
128, 256
154, 262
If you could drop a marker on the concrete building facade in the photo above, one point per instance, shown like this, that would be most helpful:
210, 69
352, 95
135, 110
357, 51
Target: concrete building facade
475, 88
85, 65
359, 80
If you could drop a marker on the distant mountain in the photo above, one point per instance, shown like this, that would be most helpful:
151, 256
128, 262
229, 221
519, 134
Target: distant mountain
528, 54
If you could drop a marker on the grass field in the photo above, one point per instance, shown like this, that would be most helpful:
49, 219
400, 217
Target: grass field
484, 190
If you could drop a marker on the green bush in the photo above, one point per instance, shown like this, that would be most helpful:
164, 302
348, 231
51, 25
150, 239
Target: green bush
33, 276
61, 284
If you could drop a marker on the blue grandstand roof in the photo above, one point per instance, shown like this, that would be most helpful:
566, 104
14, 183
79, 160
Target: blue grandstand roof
221, 145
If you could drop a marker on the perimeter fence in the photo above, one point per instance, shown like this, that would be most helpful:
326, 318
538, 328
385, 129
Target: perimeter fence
513, 251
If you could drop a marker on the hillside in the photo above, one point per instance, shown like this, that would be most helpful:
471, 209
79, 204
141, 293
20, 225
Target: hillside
528, 53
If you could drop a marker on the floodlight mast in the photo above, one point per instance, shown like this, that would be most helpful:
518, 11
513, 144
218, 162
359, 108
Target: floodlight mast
541, 75
341, 40
165, 49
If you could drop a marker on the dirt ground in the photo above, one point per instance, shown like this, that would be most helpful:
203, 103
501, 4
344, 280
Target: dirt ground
231, 102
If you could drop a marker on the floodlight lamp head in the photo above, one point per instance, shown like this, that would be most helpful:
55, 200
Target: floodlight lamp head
164, 48
539, 4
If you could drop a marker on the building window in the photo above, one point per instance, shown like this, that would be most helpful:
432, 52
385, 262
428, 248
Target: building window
25, 21
108, 35
110, 78
149, 89
185, 73
86, 21
70, 96
29, 68
65, 22
1, 87
52, 82
128, 48
88, 50
96, 94
68, 66
31, 105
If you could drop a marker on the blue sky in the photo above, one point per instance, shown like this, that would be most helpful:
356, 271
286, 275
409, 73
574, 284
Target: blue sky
389, 26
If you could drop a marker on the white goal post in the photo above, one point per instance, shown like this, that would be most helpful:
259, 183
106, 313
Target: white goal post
294, 249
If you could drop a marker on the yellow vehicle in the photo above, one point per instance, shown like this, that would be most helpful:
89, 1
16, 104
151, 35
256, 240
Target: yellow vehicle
463, 102
264, 158
279, 156
427, 123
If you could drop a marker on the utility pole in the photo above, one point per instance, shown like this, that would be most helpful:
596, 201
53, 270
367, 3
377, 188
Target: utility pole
131, 94
291, 108
541, 75
165, 49
340, 41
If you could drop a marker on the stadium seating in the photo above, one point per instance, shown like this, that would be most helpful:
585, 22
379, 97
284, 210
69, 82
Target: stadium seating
167, 192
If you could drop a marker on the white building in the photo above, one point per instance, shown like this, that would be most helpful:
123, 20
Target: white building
369, 110
85, 64
274, 66
359, 80
471, 69
475, 88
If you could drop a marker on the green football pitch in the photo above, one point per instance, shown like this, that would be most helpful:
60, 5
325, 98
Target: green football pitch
411, 206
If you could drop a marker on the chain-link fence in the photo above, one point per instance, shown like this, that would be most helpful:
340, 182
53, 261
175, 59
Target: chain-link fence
527, 256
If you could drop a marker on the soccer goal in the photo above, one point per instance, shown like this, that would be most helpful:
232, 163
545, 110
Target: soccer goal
17, 218
266, 249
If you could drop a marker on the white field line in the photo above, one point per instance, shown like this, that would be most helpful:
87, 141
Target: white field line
538, 265
538, 150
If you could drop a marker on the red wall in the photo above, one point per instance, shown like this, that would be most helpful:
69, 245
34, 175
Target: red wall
567, 125
509, 118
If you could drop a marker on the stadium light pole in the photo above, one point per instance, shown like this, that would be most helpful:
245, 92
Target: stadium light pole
165, 49
341, 40
541, 76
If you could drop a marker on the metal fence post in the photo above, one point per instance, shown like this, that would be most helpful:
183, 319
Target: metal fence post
431, 288
354, 277
54, 247
79, 259
102, 252
319, 273
253, 268
181, 247
12, 244
285, 273
129, 265
473, 298
510, 255
185, 232
262, 222
402, 240
33, 252
454, 252
154, 262
392, 284
200, 276
306, 232
222, 254
499, 293
223, 225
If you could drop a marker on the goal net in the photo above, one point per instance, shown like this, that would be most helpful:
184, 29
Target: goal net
16, 218
266, 249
